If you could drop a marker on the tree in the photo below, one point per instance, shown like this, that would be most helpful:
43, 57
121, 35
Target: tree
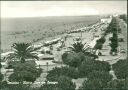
78, 47
22, 51
114, 43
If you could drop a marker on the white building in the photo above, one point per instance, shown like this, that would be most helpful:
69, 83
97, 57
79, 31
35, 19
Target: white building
106, 20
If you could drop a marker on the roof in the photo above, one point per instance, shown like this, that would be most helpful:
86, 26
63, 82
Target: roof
6, 53
44, 49
45, 56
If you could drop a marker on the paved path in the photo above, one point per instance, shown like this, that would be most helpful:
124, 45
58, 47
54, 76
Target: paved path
106, 49
111, 72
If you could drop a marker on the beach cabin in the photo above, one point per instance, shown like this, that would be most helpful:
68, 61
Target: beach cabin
45, 57
37, 46
51, 42
3, 55
45, 50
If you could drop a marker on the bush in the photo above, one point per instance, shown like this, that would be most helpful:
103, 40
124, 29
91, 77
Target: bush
100, 43
95, 84
89, 66
118, 84
98, 46
49, 87
124, 17
3, 84
0, 63
66, 71
25, 72
1, 77
89, 55
101, 40
102, 75
18, 87
15, 64
85, 68
73, 59
102, 66
121, 69
65, 83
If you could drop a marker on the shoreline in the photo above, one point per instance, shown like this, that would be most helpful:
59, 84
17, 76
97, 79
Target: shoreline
47, 38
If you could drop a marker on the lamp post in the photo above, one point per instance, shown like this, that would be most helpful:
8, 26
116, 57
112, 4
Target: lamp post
47, 67
47, 74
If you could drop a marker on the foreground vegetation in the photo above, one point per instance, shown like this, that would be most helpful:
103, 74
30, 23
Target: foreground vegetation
124, 17
79, 63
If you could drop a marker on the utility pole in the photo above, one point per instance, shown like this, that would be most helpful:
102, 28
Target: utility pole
47, 67
81, 32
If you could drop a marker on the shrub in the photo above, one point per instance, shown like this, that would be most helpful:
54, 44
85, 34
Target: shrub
118, 84
89, 55
18, 87
98, 46
85, 68
124, 17
73, 59
1, 77
3, 84
102, 75
15, 64
89, 66
0, 63
121, 69
25, 72
101, 40
95, 84
49, 87
100, 43
65, 83
102, 66
66, 71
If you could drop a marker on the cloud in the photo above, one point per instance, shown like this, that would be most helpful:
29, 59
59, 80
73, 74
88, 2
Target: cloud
60, 8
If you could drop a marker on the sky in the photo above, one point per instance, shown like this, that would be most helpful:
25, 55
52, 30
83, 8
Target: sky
60, 8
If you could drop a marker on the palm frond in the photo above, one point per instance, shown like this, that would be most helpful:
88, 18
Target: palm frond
24, 51
78, 47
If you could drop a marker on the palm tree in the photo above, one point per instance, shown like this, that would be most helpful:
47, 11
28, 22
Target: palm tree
22, 51
78, 47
